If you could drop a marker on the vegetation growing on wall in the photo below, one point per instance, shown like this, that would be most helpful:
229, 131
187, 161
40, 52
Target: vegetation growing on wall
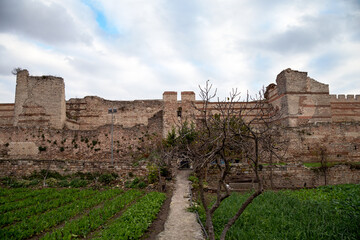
47, 178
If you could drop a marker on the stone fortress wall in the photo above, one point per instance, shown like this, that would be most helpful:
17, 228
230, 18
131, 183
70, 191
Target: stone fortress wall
303, 100
92, 112
7, 114
345, 108
41, 128
39, 101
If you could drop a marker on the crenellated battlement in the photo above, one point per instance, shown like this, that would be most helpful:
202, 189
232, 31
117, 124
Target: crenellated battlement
42, 126
40, 101
345, 108
344, 98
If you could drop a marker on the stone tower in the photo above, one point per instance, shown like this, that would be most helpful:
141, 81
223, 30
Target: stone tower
39, 101
300, 98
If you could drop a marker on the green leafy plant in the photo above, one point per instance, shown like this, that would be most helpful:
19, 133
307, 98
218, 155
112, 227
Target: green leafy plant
106, 178
38, 223
51, 182
77, 183
136, 219
135, 183
95, 218
141, 185
327, 212
41, 203
153, 173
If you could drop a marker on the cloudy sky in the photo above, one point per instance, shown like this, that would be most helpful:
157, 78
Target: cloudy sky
136, 49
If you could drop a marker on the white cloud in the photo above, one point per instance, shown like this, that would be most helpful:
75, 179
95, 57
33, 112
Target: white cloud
162, 45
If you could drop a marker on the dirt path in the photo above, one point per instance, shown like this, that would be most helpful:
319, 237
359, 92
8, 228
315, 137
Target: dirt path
181, 224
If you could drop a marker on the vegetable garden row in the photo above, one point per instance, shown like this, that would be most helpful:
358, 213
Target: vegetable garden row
329, 212
74, 213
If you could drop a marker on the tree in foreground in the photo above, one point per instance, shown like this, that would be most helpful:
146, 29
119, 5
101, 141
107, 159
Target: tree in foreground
245, 131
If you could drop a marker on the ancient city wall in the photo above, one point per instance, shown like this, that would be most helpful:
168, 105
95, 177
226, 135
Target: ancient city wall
39, 101
25, 150
345, 108
340, 142
25, 167
191, 110
298, 176
177, 111
301, 99
7, 114
66, 144
92, 112
293, 176
42, 130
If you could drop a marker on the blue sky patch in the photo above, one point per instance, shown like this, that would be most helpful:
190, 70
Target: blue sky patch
142, 48
100, 17
325, 62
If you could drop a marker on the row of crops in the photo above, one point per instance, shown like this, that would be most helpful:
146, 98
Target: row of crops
75, 213
329, 212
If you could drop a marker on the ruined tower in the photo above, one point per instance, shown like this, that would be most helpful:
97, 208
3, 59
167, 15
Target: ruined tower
300, 98
39, 101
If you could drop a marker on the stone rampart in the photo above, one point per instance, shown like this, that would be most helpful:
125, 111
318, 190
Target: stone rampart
7, 114
22, 149
25, 167
75, 135
300, 99
293, 176
78, 144
191, 110
299, 176
337, 142
39, 101
92, 112
171, 109
345, 108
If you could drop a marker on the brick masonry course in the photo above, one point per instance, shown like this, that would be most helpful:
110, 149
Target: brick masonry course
42, 128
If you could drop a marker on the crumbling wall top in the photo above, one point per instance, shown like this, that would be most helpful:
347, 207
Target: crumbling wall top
39, 100
292, 81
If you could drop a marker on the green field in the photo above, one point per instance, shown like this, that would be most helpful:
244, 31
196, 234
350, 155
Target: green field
331, 212
77, 213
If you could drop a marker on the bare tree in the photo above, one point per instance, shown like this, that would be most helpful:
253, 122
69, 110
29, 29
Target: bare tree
324, 166
321, 151
227, 130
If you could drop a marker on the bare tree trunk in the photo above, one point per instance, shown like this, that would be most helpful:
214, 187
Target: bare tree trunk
271, 172
252, 197
47, 171
208, 224
323, 164
237, 215
206, 174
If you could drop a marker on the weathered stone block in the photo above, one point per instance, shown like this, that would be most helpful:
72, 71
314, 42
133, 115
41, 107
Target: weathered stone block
23, 149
